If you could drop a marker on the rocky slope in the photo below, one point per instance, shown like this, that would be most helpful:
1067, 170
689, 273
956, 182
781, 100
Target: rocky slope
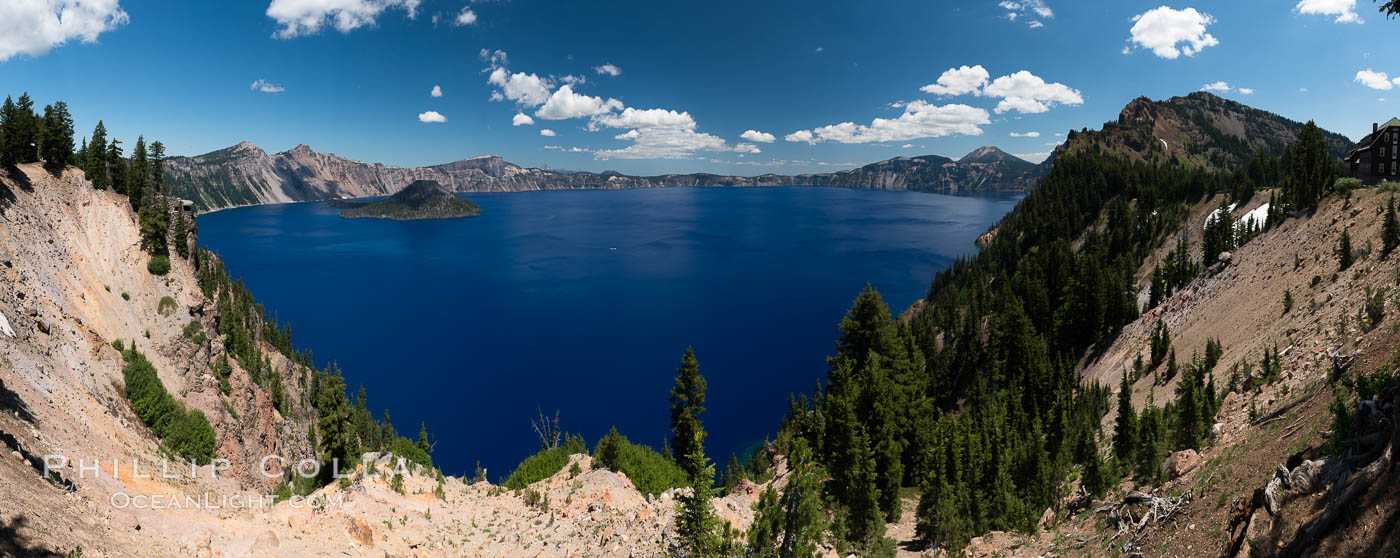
246, 175
73, 279
1200, 129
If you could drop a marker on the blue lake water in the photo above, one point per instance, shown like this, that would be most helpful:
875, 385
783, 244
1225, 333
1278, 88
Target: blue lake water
584, 302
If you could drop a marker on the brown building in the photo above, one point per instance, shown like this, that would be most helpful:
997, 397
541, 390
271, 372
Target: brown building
1377, 156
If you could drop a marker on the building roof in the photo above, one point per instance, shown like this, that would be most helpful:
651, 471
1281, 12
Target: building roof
1370, 138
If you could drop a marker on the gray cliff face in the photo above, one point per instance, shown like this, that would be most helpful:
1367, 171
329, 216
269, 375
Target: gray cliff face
246, 175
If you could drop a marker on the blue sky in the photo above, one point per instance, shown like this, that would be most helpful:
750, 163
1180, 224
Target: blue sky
354, 77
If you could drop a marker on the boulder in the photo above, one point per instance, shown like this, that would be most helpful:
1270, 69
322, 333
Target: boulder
1180, 463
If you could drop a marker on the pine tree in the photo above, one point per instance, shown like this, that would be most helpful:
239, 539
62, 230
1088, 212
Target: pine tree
1390, 229
1188, 409
180, 235
8, 133
116, 166
791, 525
338, 448
26, 132
96, 164
423, 438
733, 473
696, 524
687, 404
387, 433
137, 174
1125, 427
1149, 451
57, 140
1344, 252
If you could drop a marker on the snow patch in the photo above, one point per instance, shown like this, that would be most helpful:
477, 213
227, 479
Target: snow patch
5, 326
1258, 214
1216, 215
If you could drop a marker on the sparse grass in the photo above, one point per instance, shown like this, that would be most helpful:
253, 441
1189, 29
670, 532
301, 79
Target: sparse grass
166, 306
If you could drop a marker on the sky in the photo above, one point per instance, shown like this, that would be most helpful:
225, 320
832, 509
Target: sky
651, 87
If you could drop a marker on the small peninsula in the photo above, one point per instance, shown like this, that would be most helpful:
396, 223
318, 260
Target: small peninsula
423, 199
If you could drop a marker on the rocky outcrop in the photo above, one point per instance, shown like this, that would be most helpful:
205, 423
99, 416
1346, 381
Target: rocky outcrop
246, 175
1201, 129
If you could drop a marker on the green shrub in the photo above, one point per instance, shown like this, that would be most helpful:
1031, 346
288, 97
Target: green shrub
166, 306
126, 296
405, 448
545, 464
186, 434
159, 265
117, 344
652, 472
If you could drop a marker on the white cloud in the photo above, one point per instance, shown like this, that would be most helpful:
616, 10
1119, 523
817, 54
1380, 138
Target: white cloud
819, 50
522, 119
757, 136
431, 116
573, 79
747, 148
546, 132
1025, 134
1036, 157
1245, 91
920, 120
958, 81
1027, 9
526, 89
1345, 10
1027, 93
564, 103
34, 26
649, 118
1162, 29
1374, 80
465, 17
307, 17
608, 69
1302, 90
800, 136
437, 91
494, 58
266, 87
906, 146
1218, 86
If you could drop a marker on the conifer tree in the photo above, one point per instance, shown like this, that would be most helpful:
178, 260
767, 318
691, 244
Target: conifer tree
116, 166
697, 526
687, 404
791, 524
180, 234
733, 473
1390, 229
138, 174
337, 443
96, 164
1125, 427
26, 138
1149, 450
423, 438
57, 141
387, 433
8, 133
1344, 253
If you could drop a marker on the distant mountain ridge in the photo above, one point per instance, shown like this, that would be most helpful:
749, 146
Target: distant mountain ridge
246, 175
1199, 129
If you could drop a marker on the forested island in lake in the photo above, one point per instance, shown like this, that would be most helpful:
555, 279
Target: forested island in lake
423, 199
